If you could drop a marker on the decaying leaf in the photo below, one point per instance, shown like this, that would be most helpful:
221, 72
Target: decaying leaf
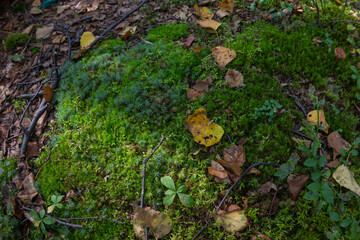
223, 55
127, 31
203, 85
312, 117
189, 40
221, 14
48, 93
197, 49
28, 192
159, 224
86, 39
234, 159
193, 94
296, 185
227, 6
204, 131
234, 78
345, 178
44, 32
233, 221
58, 39
217, 170
208, 23
265, 188
203, 12
340, 53
337, 143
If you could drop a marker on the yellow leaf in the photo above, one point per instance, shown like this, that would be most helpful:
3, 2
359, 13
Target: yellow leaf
227, 6
233, 221
208, 23
204, 131
312, 117
223, 55
345, 178
203, 12
86, 39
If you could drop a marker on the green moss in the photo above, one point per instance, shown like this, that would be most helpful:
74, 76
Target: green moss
169, 32
15, 39
116, 105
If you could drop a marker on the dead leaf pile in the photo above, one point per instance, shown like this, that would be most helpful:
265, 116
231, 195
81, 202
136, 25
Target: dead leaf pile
199, 88
204, 131
159, 224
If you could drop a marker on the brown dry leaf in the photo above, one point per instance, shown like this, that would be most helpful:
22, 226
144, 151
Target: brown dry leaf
208, 23
205, 132
94, 5
259, 236
29, 191
28, 29
333, 164
193, 94
35, 11
159, 224
223, 55
254, 171
32, 149
127, 31
61, 9
217, 170
203, 12
189, 40
44, 32
59, 39
312, 117
227, 6
221, 14
296, 185
265, 188
345, 178
233, 221
337, 142
233, 208
234, 78
197, 49
203, 85
36, 3
48, 93
234, 159
340, 53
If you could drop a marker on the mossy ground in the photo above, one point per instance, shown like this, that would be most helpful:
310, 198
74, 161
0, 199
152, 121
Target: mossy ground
119, 101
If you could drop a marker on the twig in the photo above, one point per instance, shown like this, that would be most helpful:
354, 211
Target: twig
272, 202
104, 33
357, 107
92, 218
232, 186
309, 138
145, 160
297, 101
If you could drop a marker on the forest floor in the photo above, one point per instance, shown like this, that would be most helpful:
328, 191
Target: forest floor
197, 93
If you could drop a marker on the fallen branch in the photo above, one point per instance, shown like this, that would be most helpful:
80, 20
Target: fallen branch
232, 186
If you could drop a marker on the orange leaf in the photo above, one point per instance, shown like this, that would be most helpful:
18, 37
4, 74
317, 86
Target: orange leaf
223, 56
227, 6
207, 23
48, 93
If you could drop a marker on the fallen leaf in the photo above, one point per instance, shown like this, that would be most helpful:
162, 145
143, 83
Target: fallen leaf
48, 93
340, 53
36, 3
208, 23
233, 208
221, 14
86, 39
94, 5
259, 236
217, 170
203, 85
32, 149
265, 188
234, 159
187, 43
254, 171
193, 94
28, 192
44, 32
28, 29
227, 6
333, 164
204, 131
233, 221
234, 78
296, 185
223, 55
59, 39
203, 12
197, 49
61, 9
337, 143
35, 11
159, 224
345, 178
312, 117
127, 31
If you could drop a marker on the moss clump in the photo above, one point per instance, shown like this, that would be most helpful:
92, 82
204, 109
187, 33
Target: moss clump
15, 39
169, 32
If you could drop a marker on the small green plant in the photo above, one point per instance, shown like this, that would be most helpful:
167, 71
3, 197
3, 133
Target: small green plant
328, 41
356, 77
171, 193
14, 40
40, 220
56, 203
34, 50
268, 109
17, 58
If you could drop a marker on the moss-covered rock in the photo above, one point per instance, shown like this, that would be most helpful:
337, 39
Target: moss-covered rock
15, 39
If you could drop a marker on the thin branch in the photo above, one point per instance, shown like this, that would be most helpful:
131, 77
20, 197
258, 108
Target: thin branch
273, 200
92, 218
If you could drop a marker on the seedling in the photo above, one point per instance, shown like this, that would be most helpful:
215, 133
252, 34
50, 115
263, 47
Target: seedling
56, 203
171, 193
41, 220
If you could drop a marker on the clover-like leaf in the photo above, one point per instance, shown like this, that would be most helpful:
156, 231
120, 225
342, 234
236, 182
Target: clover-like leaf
185, 199
168, 200
168, 182
42, 213
34, 215
48, 220
181, 189
170, 192
43, 229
